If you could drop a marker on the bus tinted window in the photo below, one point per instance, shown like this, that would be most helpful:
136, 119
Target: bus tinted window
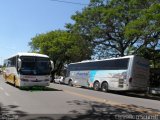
35, 65
116, 64
28, 59
11, 62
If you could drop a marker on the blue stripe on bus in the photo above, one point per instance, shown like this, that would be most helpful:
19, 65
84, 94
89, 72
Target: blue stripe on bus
92, 74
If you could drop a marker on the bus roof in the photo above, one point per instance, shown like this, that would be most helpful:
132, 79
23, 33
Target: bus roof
86, 61
29, 54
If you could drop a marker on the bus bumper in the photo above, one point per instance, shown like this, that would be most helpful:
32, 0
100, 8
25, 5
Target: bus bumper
29, 84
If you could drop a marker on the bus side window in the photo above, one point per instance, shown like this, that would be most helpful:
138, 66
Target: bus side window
5, 63
8, 63
12, 62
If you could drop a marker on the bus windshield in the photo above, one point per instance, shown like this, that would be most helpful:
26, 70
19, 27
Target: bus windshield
35, 66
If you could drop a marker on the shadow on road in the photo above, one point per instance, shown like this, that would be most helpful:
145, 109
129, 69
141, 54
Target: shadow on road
112, 112
131, 94
138, 95
11, 112
100, 111
35, 88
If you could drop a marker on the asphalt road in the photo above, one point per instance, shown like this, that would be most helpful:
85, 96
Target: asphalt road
65, 102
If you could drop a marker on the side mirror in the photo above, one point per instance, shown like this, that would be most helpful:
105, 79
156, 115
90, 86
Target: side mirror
52, 65
19, 63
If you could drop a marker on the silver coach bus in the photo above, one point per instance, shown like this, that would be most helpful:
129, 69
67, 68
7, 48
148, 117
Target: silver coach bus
120, 74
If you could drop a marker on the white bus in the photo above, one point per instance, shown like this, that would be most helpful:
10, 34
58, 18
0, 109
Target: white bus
28, 69
120, 74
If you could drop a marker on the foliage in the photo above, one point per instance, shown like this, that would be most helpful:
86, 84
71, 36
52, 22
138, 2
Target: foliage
103, 29
106, 24
62, 47
147, 29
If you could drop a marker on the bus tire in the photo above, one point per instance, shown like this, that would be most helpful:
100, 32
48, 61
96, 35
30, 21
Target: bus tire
70, 83
96, 86
104, 87
5, 77
14, 81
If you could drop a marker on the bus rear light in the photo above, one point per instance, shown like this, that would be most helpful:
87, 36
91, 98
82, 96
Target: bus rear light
125, 81
130, 80
121, 82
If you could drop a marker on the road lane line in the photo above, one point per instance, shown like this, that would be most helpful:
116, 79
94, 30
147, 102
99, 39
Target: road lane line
116, 104
7, 94
85, 96
1, 88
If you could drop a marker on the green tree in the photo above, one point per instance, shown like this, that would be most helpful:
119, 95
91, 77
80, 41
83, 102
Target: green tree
147, 29
105, 22
62, 47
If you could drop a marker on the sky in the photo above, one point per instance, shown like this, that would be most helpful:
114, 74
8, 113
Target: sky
21, 20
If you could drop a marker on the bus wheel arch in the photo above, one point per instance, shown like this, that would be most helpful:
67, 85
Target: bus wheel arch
96, 85
70, 82
104, 86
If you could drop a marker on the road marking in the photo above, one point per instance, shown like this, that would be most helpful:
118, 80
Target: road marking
86, 96
116, 104
1, 88
7, 94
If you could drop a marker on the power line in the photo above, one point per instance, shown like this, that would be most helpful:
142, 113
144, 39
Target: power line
75, 3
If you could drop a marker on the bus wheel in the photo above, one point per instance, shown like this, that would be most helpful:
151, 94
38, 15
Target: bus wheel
96, 86
70, 83
14, 81
104, 87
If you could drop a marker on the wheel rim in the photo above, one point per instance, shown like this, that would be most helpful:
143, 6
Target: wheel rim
70, 83
104, 87
96, 86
